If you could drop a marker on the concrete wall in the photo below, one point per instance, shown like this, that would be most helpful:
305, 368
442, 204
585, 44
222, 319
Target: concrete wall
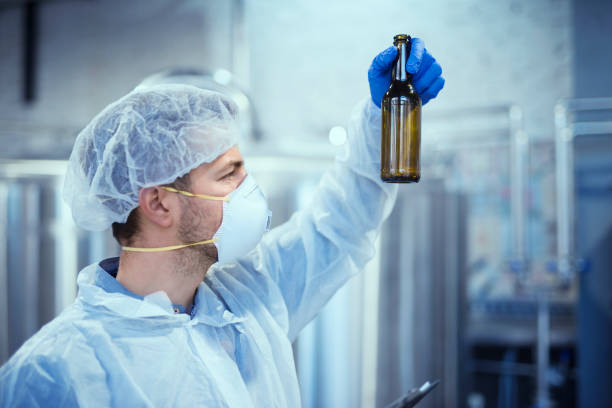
310, 58
307, 63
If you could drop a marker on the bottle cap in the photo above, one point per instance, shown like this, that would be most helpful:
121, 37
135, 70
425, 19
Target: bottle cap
401, 37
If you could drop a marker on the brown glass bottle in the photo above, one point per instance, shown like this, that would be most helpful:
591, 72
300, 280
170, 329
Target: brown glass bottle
401, 122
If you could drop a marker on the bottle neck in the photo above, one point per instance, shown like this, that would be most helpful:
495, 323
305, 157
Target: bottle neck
399, 69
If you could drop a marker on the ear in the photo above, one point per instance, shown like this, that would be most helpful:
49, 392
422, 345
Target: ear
157, 206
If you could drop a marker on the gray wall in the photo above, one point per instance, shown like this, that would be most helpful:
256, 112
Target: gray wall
91, 53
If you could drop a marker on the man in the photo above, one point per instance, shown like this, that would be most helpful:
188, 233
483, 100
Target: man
199, 309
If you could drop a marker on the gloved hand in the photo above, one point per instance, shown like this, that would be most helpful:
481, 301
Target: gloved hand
424, 68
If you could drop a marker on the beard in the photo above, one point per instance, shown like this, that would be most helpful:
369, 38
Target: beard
192, 228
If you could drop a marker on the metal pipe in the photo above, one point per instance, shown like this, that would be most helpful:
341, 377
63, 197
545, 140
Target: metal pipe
4, 289
30, 256
26, 168
371, 303
66, 255
565, 133
517, 140
519, 145
543, 344
589, 104
565, 190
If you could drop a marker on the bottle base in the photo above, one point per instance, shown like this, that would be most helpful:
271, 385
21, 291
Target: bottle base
401, 179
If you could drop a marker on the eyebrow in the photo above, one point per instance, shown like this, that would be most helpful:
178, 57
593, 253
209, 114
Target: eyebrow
231, 164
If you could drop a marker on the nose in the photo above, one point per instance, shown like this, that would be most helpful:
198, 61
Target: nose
243, 175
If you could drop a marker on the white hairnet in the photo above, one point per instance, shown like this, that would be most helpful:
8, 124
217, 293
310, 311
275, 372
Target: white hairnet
151, 136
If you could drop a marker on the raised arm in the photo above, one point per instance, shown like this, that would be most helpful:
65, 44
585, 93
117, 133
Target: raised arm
312, 255
299, 265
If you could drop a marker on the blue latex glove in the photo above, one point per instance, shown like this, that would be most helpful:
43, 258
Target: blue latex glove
426, 72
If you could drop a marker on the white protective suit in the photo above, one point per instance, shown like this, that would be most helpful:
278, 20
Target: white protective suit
110, 348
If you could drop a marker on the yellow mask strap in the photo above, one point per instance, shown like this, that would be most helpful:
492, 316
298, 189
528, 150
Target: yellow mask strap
188, 194
181, 246
168, 248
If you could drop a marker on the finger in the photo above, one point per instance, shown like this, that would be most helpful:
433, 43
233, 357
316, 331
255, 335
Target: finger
383, 62
433, 90
426, 62
415, 59
428, 77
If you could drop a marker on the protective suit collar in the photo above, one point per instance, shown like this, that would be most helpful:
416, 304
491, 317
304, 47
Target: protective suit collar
208, 307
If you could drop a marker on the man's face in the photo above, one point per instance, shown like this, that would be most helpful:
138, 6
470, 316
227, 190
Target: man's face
201, 218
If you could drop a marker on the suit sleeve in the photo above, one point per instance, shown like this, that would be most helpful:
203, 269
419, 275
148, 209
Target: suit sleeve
299, 265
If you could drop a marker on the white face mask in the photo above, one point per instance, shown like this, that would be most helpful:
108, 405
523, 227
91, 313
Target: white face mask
245, 219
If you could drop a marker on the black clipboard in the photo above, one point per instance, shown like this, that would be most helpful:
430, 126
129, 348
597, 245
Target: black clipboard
414, 396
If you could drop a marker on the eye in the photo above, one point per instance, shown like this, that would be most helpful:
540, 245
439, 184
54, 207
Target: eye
228, 175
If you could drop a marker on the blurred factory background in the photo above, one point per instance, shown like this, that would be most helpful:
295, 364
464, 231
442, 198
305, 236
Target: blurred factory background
493, 274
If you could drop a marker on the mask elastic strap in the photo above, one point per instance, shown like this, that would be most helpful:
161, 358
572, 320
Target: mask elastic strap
168, 248
188, 194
